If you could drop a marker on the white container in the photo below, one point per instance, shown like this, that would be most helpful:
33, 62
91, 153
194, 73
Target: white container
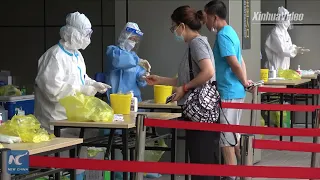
134, 103
272, 73
3, 114
1, 119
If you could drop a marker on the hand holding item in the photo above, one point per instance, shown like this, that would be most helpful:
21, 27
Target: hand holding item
88, 90
179, 93
101, 87
153, 80
302, 50
145, 64
249, 86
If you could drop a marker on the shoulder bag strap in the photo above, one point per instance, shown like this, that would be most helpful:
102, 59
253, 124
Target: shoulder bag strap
190, 65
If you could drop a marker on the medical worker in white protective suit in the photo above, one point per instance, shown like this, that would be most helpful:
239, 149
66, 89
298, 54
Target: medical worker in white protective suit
279, 48
62, 72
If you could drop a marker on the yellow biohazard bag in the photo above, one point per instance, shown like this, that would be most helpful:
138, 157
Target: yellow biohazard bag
154, 156
28, 128
82, 108
289, 74
9, 90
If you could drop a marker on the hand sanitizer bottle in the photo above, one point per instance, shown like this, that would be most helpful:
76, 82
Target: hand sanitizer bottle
299, 70
134, 103
273, 73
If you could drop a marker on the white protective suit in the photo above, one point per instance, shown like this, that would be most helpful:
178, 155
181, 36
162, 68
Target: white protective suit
62, 71
279, 48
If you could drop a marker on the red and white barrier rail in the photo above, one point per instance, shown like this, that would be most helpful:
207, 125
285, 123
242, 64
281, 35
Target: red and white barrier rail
231, 128
286, 146
289, 90
176, 168
270, 107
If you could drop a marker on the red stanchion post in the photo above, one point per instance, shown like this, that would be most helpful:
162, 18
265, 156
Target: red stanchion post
314, 156
140, 142
247, 152
4, 173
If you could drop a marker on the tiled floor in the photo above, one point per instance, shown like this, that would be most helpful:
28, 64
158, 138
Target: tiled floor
276, 158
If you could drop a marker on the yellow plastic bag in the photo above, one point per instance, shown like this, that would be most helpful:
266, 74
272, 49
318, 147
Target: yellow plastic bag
154, 156
9, 90
289, 74
275, 118
1, 146
27, 128
83, 108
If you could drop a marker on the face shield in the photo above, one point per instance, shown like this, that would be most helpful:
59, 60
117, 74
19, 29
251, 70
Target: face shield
130, 39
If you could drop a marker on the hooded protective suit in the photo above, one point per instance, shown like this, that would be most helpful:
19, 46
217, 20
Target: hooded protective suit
279, 48
62, 71
124, 69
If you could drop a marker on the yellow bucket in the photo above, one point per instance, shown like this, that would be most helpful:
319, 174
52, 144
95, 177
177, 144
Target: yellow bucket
120, 103
264, 74
161, 93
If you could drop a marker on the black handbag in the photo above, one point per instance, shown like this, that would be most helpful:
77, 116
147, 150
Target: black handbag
204, 102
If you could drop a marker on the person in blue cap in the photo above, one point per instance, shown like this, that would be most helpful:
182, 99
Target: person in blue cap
125, 71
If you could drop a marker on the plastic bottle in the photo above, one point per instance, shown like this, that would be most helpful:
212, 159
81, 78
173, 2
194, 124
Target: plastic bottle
273, 73
4, 114
134, 103
299, 70
23, 90
1, 119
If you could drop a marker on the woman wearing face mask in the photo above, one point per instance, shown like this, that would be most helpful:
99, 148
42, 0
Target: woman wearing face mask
203, 146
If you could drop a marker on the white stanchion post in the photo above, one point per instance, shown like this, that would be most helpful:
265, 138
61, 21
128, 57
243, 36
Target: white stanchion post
315, 156
140, 142
246, 152
4, 173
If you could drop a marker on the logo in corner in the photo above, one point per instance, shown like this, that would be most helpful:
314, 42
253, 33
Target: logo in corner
18, 162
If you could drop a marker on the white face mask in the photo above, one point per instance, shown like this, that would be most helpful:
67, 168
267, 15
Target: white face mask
85, 43
213, 30
129, 45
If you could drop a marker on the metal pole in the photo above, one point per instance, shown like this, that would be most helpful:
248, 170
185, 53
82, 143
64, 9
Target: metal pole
254, 113
246, 152
4, 167
140, 142
314, 156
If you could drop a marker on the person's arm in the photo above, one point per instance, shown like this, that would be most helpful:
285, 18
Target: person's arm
168, 81
244, 68
205, 74
201, 55
237, 69
121, 59
227, 50
140, 72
